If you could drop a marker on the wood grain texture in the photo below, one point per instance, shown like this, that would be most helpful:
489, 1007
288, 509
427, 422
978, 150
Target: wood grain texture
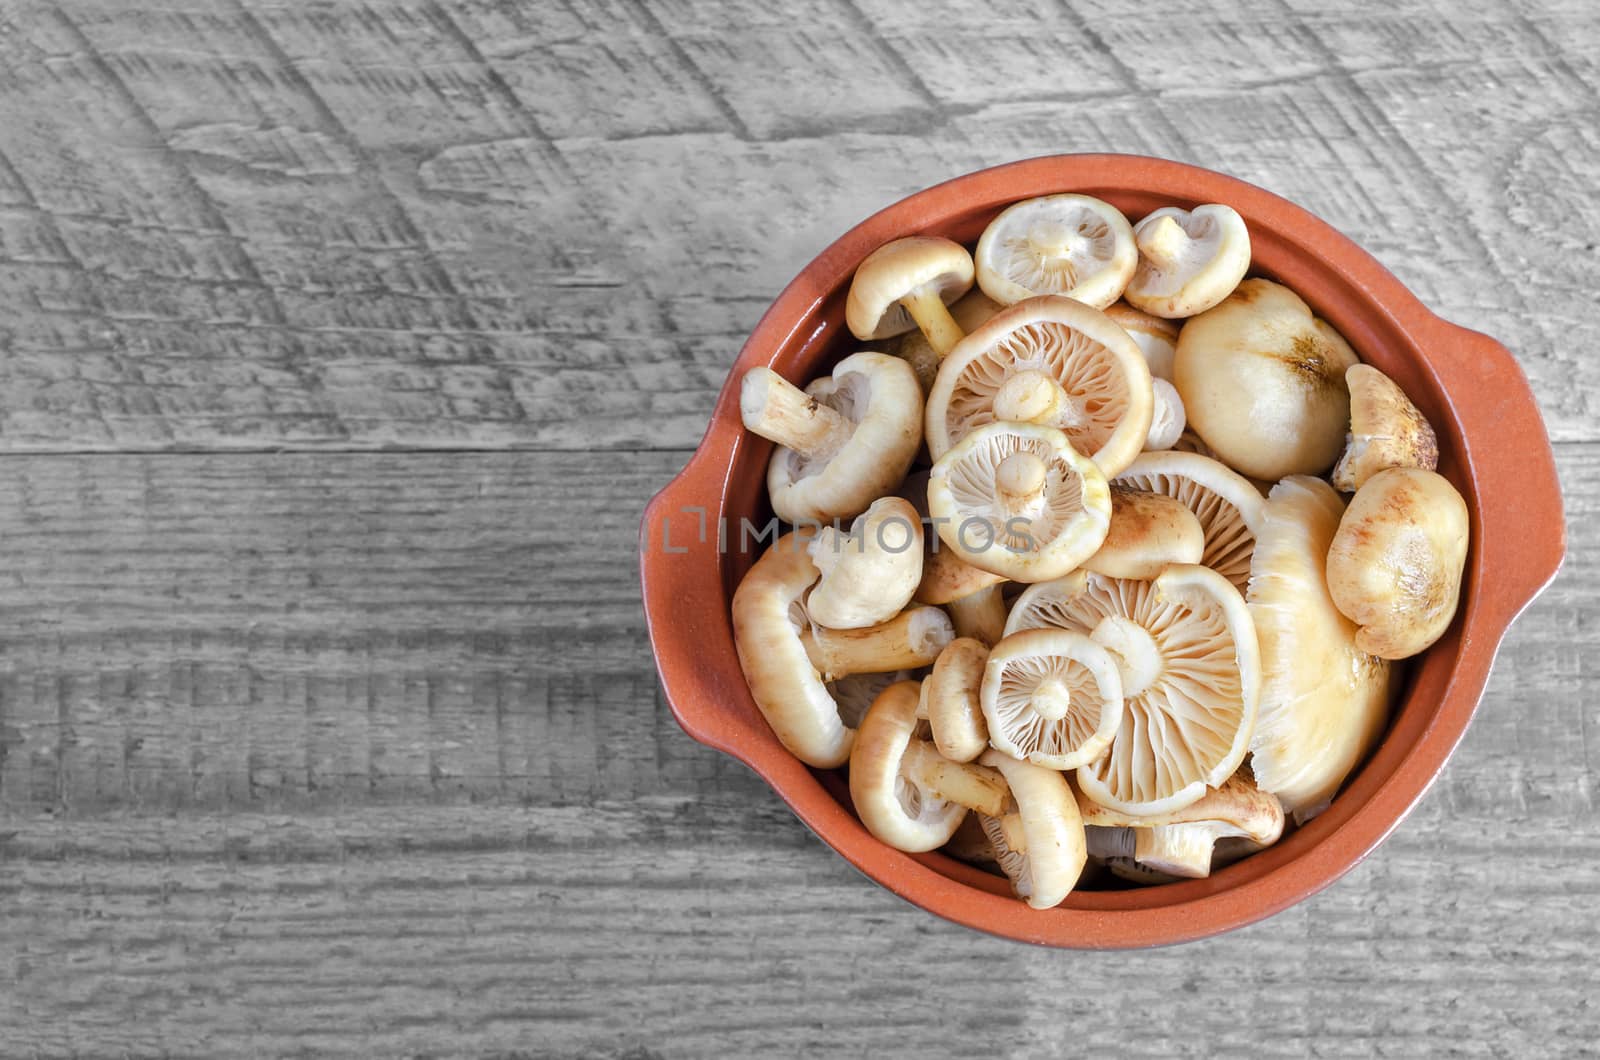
308, 748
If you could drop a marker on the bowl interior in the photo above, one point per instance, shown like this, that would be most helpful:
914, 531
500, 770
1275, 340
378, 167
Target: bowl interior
810, 342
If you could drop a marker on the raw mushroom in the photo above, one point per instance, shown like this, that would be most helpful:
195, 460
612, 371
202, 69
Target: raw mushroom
971, 596
1324, 701
843, 442
1262, 381
980, 615
1386, 430
1191, 673
904, 791
913, 638
768, 618
1071, 245
970, 313
1051, 697
1018, 501
1228, 506
1167, 418
869, 572
1182, 843
1188, 260
854, 693
1395, 565
1148, 532
950, 700
907, 284
1156, 338
1050, 361
1038, 840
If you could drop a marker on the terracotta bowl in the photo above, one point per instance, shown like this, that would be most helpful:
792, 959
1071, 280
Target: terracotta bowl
1494, 450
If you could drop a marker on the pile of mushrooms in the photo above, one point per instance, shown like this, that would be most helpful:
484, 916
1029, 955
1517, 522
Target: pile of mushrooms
1104, 551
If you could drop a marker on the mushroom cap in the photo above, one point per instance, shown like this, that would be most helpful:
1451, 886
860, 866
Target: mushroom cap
1209, 253
879, 395
1167, 418
1044, 539
1394, 567
869, 574
1148, 532
1098, 366
900, 268
1228, 507
1262, 381
951, 703
970, 312
893, 808
1386, 430
768, 617
1072, 245
1324, 700
1191, 675
1053, 829
1156, 338
1051, 697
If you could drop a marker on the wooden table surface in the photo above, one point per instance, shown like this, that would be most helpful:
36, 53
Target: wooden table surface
343, 344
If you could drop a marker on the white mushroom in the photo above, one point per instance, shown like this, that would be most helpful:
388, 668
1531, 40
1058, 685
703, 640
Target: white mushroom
1051, 697
1188, 260
1148, 533
1018, 501
1191, 670
1156, 338
1386, 430
1324, 701
905, 792
1262, 381
844, 441
950, 700
1167, 418
1049, 361
1395, 565
1072, 245
1038, 839
907, 284
869, 573
1182, 843
913, 638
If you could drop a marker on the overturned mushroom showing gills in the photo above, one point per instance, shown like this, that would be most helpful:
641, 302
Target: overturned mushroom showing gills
843, 442
1394, 567
907, 284
1386, 430
869, 573
768, 617
1188, 260
905, 792
1038, 839
950, 700
1148, 533
1072, 245
1182, 843
1227, 505
913, 638
1053, 362
1051, 697
1018, 501
1262, 381
1324, 701
1191, 671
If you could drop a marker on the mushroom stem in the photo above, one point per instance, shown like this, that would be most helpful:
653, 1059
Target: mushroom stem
781, 412
1032, 396
933, 317
1051, 699
981, 616
1019, 481
913, 638
1162, 241
973, 786
1177, 849
1055, 240
1135, 650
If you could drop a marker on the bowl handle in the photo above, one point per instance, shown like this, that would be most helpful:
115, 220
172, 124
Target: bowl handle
1522, 536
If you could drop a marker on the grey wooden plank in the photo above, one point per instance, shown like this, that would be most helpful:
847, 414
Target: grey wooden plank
454, 224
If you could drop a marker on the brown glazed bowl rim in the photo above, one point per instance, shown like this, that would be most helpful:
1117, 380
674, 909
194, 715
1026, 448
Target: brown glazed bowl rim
1494, 449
